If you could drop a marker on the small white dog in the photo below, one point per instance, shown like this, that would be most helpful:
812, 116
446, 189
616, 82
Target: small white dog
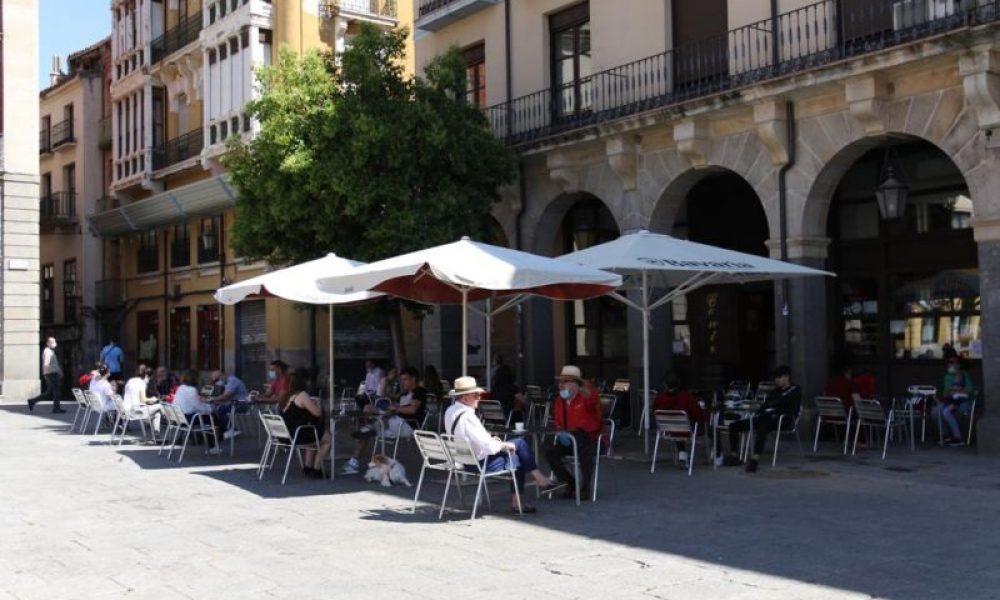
386, 471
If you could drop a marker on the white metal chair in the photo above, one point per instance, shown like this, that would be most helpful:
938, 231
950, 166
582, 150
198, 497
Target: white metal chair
738, 390
830, 411
278, 438
783, 429
97, 409
870, 415
432, 413
605, 450
82, 408
173, 424
125, 417
196, 424
462, 455
492, 415
385, 434
435, 457
919, 399
675, 426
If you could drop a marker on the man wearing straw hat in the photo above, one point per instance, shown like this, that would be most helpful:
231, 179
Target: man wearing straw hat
577, 415
460, 420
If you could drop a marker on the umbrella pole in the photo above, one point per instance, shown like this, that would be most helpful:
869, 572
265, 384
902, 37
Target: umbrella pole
465, 331
333, 423
332, 381
489, 344
645, 359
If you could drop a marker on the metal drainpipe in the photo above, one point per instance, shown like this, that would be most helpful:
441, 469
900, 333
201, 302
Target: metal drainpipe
521, 186
783, 216
775, 49
222, 282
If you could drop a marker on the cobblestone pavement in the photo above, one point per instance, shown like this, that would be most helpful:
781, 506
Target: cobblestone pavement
80, 519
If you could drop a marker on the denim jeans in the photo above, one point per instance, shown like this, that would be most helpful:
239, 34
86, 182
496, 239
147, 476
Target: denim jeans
948, 416
522, 460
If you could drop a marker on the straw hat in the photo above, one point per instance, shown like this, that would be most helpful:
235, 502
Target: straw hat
571, 372
465, 385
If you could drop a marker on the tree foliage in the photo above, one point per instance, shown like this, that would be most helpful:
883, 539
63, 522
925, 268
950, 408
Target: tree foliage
360, 160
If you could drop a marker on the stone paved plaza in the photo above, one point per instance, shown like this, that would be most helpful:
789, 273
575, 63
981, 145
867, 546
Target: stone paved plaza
80, 519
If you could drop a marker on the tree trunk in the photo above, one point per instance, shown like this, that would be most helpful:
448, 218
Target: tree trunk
396, 328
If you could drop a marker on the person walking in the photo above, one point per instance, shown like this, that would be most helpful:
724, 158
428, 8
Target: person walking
112, 355
52, 373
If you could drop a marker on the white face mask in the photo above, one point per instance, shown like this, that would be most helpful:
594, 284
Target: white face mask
52, 345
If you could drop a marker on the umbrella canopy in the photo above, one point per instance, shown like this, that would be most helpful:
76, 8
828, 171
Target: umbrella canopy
653, 260
465, 271
296, 283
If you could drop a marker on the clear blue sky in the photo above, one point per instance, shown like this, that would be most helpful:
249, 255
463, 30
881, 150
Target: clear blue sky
65, 26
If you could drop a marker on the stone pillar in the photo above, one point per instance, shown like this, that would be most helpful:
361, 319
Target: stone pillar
987, 232
801, 328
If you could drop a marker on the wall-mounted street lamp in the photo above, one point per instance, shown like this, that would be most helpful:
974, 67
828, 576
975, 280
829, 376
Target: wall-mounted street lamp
892, 191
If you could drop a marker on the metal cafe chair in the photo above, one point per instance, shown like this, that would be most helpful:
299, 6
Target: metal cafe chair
461, 454
279, 438
675, 426
435, 456
830, 411
870, 415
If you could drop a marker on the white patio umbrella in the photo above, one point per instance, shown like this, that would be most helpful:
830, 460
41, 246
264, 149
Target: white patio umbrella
465, 271
653, 260
298, 284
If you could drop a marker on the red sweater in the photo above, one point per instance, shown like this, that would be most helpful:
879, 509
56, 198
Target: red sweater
682, 400
579, 412
843, 388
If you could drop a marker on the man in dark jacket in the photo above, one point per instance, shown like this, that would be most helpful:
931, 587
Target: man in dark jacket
784, 400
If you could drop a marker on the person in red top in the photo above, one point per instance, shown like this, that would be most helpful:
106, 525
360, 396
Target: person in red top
864, 385
676, 397
577, 415
841, 385
280, 381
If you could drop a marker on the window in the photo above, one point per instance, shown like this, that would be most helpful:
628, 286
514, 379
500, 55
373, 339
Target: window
148, 252
71, 297
245, 38
208, 244
475, 75
222, 52
48, 293
571, 68
224, 129
180, 246
211, 56
208, 337
45, 185
69, 180
246, 122
234, 45
180, 338
234, 125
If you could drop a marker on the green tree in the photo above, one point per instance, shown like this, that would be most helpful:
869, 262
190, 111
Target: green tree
361, 160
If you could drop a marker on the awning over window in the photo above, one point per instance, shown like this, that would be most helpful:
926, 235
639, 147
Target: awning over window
207, 197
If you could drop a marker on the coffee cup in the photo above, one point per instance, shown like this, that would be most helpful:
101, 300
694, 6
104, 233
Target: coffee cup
518, 426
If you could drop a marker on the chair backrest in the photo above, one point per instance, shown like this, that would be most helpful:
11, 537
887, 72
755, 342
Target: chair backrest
432, 448
207, 390
533, 393
460, 451
608, 402
79, 397
869, 411
763, 389
93, 400
673, 423
171, 412
119, 403
621, 386
491, 413
921, 390
830, 407
275, 427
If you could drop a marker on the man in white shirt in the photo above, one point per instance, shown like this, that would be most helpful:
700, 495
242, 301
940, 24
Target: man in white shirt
52, 373
461, 421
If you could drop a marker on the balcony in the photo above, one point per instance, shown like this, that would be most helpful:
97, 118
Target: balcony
180, 148
435, 14
379, 10
109, 293
176, 38
104, 134
807, 38
58, 211
71, 305
105, 203
62, 133
44, 141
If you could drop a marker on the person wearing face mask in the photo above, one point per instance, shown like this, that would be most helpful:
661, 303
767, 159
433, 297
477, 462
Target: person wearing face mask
136, 400
279, 382
956, 397
52, 373
577, 416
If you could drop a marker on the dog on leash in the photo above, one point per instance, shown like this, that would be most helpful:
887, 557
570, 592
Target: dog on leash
386, 471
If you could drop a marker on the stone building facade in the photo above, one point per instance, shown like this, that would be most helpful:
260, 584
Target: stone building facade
769, 134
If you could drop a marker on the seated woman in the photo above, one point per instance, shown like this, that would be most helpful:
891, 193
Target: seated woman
300, 410
102, 386
956, 397
187, 398
136, 400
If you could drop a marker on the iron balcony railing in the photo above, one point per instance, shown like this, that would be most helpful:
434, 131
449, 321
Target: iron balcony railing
176, 38
44, 141
62, 133
376, 8
795, 41
180, 148
58, 207
71, 307
109, 293
106, 203
426, 7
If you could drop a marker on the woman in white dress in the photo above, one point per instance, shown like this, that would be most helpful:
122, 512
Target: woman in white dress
103, 388
135, 399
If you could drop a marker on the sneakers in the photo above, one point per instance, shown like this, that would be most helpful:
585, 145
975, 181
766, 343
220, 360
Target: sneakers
718, 461
58, 410
954, 442
31, 404
351, 467
215, 451
230, 434
682, 456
